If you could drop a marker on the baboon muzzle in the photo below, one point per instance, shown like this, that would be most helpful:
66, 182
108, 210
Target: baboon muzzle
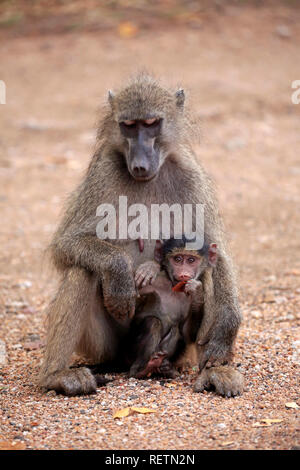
142, 158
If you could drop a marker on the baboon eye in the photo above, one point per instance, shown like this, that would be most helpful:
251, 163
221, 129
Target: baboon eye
191, 259
177, 259
150, 122
129, 123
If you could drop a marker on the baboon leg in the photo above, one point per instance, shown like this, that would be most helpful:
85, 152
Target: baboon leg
70, 316
217, 333
170, 341
102, 333
224, 379
147, 339
154, 353
216, 344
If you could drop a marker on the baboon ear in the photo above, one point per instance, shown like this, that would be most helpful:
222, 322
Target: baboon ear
158, 254
110, 97
213, 254
180, 97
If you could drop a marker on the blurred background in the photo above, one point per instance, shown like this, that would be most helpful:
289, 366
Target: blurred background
237, 61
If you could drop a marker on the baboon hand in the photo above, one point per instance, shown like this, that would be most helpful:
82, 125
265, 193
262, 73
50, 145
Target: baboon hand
119, 295
192, 286
71, 382
146, 273
224, 379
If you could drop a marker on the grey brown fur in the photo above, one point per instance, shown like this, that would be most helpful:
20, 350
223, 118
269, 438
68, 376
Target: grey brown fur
90, 312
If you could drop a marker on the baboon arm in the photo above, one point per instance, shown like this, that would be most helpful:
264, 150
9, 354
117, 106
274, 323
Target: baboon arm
197, 297
223, 318
89, 252
112, 267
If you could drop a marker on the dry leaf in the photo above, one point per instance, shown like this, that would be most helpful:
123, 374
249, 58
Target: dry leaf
142, 410
266, 422
12, 445
256, 314
31, 345
292, 404
74, 164
271, 420
122, 413
268, 297
134, 409
227, 443
127, 30
29, 310
294, 272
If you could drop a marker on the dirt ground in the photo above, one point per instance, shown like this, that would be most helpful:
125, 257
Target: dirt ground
238, 70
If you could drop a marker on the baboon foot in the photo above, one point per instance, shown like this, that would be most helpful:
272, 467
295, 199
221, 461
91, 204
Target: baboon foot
224, 379
168, 370
70, 382
151, 367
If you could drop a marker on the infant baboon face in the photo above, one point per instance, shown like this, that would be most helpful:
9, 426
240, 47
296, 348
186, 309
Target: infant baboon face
185, 266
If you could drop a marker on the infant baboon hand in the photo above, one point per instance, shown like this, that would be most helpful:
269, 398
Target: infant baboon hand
192, 286
146, 273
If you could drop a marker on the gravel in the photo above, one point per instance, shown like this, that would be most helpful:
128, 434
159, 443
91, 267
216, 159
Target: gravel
258, 195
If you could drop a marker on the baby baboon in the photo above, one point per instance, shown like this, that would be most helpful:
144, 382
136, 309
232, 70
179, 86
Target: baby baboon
144, 153
167, 300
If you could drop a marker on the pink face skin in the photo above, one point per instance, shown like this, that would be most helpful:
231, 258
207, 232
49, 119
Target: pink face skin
185, 266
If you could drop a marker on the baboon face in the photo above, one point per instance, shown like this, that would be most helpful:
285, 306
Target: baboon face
182, 264
146, 116
142, 153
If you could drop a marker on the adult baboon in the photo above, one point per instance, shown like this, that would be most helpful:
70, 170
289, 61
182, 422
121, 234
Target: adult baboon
144, 153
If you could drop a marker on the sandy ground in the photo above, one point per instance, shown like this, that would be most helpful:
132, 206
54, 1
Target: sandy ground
239, 71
